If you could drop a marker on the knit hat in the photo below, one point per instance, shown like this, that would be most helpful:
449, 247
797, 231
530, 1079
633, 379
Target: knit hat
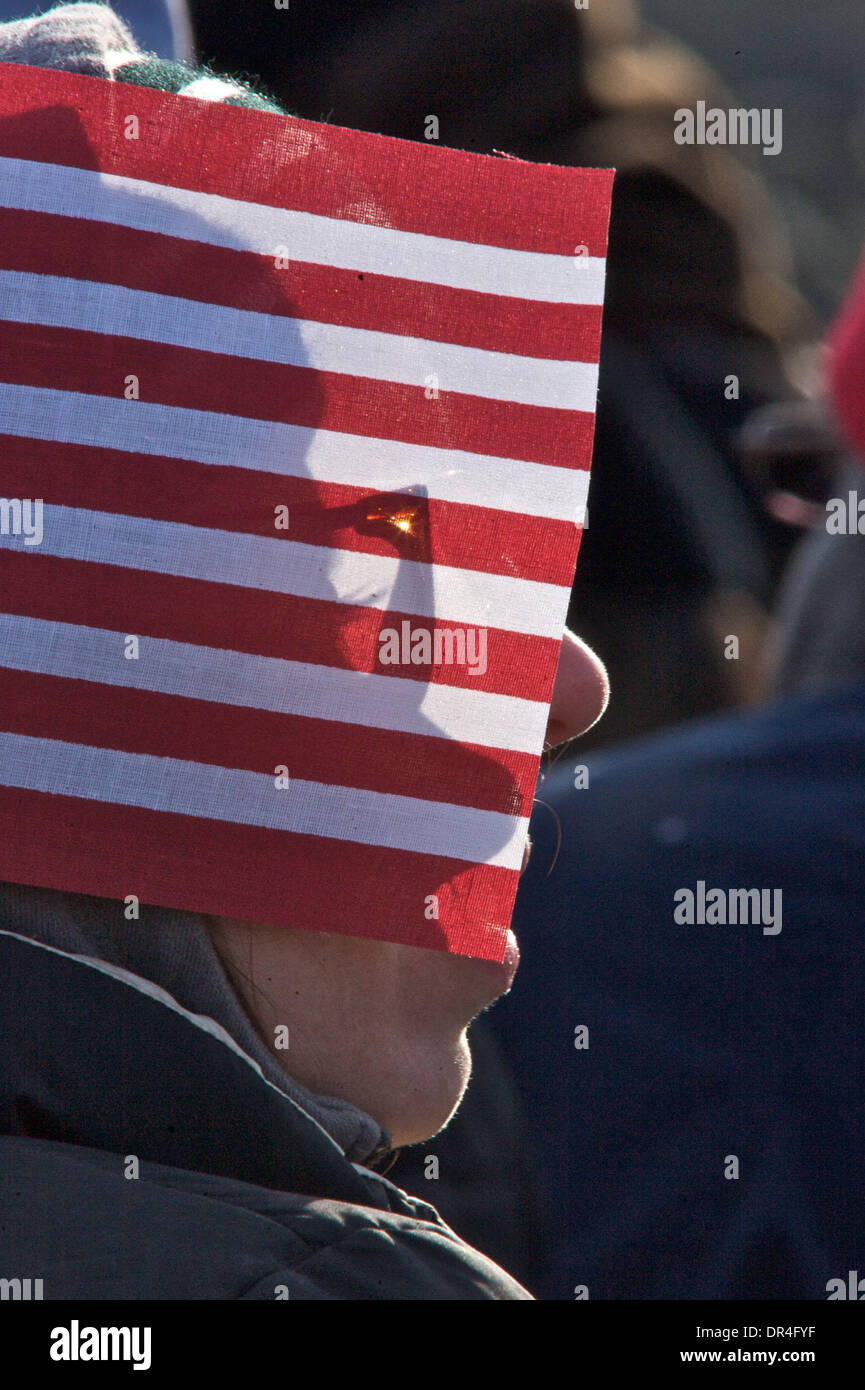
90, 39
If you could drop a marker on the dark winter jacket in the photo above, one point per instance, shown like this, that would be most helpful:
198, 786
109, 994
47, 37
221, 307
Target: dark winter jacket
144, 1155
653, 1051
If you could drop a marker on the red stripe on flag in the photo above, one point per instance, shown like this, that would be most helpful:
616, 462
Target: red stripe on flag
314, 750
255, 621
42, 243
311, 167
249, 873
98, 364
244, 500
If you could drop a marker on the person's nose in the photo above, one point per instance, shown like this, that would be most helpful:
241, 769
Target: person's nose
580, 693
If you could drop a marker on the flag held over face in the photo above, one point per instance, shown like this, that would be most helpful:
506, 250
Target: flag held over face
308, 415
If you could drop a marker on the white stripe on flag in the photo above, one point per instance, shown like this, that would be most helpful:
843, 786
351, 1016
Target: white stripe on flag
326, 456
349, 577
323, 347
395, 703
303, 236
251, 798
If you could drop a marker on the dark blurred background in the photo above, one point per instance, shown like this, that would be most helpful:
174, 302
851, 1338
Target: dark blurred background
806, 59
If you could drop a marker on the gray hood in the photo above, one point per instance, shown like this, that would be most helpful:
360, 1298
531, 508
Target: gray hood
820, 642
173, 950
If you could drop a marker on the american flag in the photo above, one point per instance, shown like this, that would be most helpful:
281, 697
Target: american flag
295, 429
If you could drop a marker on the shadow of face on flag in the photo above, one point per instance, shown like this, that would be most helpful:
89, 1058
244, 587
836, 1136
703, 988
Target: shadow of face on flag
255, 665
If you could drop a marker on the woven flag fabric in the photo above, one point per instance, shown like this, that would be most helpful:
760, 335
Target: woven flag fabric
295, 430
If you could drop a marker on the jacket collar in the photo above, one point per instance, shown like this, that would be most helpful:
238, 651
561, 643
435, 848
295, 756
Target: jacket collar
101, 1057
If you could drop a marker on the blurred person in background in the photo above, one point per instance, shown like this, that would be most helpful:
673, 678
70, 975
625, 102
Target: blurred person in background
808, 63
702, 1080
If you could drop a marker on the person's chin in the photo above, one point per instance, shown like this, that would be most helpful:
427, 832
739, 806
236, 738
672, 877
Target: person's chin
437, 1095
490, 979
